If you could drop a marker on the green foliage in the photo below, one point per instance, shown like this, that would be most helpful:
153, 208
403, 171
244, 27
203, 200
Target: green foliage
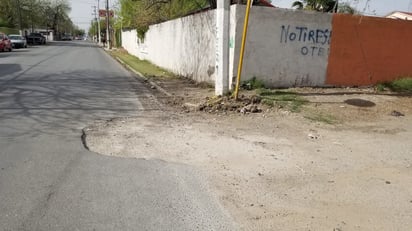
345, 8
3, 22
399, 85
118, 35
299, 5
140, 14
77, 32
93, 27
253, 83
141, 31
27, 14
7, 30
321, 117
380, 87
315, 5
324, 6
284, 99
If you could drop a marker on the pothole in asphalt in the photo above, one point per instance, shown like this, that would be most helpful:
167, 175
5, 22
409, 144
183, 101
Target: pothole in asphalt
146, 138
177, 141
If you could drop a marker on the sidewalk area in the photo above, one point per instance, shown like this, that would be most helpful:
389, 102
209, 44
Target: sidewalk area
290, 159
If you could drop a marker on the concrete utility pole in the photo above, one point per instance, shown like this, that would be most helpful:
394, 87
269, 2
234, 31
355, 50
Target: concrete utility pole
99, 39
107, 25
20, 19
222, 47
95, 18
31, 16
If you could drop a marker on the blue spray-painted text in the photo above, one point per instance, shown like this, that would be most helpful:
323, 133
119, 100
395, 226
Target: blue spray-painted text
301, 34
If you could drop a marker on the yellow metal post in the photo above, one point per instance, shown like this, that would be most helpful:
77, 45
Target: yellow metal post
242, 48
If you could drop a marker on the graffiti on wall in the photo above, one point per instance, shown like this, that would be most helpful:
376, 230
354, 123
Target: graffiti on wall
315, 42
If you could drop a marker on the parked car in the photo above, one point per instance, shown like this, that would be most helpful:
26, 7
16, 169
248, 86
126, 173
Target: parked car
67, 38
36, 38
18, 41
5, 43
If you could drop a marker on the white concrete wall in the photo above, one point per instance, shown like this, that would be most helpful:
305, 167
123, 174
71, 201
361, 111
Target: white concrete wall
130, 42
234, 46
185, 46
284, 48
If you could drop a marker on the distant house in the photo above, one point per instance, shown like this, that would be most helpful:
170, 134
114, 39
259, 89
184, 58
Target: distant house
400, 15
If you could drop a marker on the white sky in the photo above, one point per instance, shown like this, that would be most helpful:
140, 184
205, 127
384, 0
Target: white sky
82, 10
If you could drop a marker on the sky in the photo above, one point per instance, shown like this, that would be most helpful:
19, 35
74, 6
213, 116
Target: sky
82, 10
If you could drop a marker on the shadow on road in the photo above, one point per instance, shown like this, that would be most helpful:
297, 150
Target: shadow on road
7, 69
5, 54
84, 44
32, 106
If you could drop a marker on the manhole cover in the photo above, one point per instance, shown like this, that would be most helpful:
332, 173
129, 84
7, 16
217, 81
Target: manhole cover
360, 102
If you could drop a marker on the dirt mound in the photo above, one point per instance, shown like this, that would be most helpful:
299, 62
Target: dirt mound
244, 104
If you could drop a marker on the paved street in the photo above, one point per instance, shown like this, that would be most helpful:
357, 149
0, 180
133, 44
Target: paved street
49, 181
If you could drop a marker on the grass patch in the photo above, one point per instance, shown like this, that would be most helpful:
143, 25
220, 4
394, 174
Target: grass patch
380, 87
285, 99
321, 117
399, 85
252, 84
145, 67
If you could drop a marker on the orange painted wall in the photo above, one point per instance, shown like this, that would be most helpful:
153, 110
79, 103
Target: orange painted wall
368, 50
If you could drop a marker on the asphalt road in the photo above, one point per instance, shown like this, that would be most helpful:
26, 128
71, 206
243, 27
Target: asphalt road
49, 181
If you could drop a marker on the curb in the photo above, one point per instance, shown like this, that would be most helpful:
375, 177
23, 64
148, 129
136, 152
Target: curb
140, 75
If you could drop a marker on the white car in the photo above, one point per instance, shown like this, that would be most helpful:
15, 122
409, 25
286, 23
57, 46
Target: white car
18, 41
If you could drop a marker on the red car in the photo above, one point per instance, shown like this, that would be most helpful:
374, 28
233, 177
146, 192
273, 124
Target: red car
5, 43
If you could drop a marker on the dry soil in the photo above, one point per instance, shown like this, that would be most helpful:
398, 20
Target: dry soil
343, 163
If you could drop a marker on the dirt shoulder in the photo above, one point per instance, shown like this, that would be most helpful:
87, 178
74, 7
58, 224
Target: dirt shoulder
343, 162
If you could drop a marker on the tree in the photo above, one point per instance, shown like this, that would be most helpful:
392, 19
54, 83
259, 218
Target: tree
324, 6
345, 8
299, 5
140, 14
316, 5
25, 14
58, 14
